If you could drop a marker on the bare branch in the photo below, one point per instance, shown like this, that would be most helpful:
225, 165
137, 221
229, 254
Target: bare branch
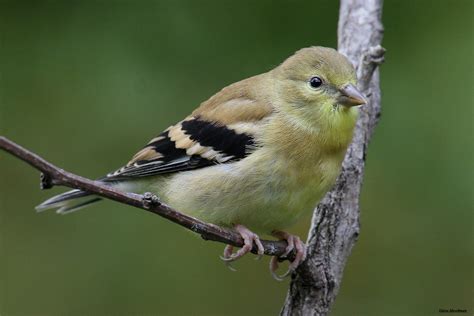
52, 175
335, 224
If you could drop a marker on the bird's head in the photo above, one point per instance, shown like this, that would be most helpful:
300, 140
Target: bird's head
317, 87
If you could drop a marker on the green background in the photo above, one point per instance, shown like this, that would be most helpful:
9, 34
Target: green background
86, 84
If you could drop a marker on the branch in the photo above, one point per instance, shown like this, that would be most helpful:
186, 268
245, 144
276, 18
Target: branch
52, 175
335, 223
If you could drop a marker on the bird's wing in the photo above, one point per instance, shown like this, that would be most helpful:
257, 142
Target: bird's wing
221, 130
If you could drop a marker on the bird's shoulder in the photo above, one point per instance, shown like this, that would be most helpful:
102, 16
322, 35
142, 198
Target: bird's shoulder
222, 129
243, 101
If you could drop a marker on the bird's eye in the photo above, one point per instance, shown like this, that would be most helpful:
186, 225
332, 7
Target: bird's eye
315, 82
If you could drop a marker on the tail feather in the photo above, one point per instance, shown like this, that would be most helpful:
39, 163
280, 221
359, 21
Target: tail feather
68, 202
75, 207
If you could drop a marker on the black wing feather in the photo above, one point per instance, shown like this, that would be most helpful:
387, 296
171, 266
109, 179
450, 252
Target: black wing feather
172, 159
219, 137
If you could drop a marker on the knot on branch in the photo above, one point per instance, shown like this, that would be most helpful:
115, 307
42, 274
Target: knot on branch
369, 61
375, 55
149, 200
46, 182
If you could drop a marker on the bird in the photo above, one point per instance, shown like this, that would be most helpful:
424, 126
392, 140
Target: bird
254, 157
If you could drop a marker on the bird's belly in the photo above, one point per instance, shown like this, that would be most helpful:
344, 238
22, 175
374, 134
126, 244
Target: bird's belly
262, 201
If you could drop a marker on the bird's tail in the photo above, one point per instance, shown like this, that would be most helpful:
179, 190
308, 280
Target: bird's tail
68, 202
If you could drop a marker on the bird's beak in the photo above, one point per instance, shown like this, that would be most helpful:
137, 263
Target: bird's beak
350, 96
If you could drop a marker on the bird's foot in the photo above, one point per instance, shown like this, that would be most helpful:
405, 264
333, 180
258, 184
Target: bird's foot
294, 243
249, 238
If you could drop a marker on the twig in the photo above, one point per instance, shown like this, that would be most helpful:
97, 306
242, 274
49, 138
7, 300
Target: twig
335, 224
52, 175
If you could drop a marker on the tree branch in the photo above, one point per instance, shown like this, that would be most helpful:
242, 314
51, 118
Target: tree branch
335, 223
52, 175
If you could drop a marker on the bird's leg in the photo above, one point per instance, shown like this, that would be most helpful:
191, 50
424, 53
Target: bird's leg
294, 243
249, 238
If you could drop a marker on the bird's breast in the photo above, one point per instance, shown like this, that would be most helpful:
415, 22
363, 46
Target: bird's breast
304, 180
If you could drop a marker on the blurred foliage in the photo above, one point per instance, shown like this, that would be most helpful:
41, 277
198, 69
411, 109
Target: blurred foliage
86, 84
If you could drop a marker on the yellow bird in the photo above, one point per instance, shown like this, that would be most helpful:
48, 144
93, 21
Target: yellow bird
255, 156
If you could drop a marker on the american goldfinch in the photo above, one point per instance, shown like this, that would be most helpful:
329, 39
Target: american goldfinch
255, 156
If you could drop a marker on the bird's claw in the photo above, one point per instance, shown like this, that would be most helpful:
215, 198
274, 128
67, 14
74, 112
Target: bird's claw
249, 238
227, 254
294, 243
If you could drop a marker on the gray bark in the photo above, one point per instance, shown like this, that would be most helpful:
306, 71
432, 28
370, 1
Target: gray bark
335, 223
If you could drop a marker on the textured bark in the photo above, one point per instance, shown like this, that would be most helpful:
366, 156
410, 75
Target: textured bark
335, 223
